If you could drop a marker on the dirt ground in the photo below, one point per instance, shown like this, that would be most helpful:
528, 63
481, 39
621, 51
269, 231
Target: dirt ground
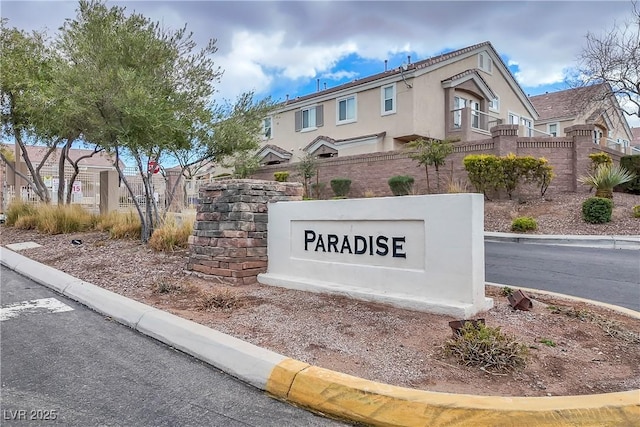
567, 355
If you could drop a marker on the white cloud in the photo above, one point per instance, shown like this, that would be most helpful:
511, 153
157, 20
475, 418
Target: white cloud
256, 59
339, 75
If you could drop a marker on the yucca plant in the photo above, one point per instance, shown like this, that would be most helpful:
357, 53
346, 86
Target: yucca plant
605, 178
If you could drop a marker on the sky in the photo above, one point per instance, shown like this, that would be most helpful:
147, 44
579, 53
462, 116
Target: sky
282, 48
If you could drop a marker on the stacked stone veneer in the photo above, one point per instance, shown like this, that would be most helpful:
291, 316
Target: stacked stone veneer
229, 239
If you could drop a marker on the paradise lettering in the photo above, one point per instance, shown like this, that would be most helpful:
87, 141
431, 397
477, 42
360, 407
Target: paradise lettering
358, 245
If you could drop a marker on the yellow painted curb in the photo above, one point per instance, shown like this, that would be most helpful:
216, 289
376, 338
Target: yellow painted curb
348, 397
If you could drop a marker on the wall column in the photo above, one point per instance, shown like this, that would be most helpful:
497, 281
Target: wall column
229, 239
109, 194
505, 139
582, 136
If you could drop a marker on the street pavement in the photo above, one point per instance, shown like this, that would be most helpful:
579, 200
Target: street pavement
74, 367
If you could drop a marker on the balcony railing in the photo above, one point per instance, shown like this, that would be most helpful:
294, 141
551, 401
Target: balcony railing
478, 120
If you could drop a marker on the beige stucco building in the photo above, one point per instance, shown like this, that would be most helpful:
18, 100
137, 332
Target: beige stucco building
458, 95
594, 105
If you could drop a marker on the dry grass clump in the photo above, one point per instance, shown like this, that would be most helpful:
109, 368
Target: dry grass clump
610, 327
120, 225
172, 235
166, 287
49, 219
17, 210
223, 299
487, 348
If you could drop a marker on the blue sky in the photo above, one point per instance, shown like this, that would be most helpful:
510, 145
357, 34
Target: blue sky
279, 48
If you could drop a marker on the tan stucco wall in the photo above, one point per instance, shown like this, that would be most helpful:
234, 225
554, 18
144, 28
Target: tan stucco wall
420, 110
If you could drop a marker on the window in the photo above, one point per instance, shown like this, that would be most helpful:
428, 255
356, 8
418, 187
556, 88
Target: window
347, 110
485, 63
514, 119
267, 128
309, 118
388, 95
597, 135
458, 105
475, 116
528, 126
494, 104
552, 129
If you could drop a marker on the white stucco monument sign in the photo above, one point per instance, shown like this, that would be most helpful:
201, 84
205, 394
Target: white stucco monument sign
419, 252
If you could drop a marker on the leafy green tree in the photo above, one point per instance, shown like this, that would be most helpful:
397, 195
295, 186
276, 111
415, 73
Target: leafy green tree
235, 133
431, 152
26, 72
144, 90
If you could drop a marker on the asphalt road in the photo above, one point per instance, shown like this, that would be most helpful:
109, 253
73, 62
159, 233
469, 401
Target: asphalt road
607, 275
71, 366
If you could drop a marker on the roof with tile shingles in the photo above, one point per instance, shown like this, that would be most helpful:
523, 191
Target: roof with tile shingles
566, 103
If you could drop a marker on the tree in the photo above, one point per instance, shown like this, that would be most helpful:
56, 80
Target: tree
613, 58
144, 90
26, 65
307, 168
235, 131
430, 152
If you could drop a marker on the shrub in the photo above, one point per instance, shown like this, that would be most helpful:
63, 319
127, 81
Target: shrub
600, 158
64, 219
457, 186
605, 178
316, 189
490, 173
171, 235
120, 225
18, 209
401, 185
632, 164
522, 224
486, 347
636, 211
282, 176
166, 287
341, 186
217, 299
597, 210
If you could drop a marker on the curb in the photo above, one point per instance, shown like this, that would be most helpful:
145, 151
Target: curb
587, 241
339, 395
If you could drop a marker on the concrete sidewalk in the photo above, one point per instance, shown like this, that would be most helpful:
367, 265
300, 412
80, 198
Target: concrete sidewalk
339, 395
587, 241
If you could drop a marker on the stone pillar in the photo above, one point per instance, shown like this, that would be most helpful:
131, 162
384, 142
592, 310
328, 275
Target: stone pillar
582, 136
505, 139
109, 194
229, 239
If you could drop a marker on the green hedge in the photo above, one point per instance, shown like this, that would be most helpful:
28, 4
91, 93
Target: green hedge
401, 185
632, 164
341, 186
597, 210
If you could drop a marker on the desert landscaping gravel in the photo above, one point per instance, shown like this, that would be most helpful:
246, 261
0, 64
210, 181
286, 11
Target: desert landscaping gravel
376, 341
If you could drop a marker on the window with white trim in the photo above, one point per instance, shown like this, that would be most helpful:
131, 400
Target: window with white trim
309, 118
458, 104
346, 112
475, 115
514, 119
552, 129
528, 126
267, 128
485, 63
388, 99
494, 104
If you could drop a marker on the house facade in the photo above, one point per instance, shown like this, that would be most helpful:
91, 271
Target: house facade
595, 105
458, 95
